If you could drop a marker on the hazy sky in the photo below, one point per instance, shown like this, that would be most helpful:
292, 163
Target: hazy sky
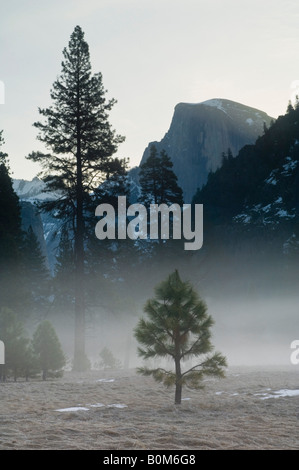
153, 54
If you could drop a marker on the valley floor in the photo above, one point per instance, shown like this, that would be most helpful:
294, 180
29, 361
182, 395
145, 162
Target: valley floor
252, 408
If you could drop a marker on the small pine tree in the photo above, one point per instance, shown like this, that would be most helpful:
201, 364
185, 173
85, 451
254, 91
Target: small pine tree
30, 366
170, 190
178, 327
108, 361
158, 181
47, 347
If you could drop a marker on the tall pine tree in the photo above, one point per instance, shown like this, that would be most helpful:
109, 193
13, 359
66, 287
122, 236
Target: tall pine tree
77, 132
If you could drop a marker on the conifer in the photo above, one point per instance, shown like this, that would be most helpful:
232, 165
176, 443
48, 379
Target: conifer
81, 141
178, 327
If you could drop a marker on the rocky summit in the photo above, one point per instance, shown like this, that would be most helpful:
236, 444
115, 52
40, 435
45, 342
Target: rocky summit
200, 133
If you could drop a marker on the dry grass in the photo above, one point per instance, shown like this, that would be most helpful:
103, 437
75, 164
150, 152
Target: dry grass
236, 418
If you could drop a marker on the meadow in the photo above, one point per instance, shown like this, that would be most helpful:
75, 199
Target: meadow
251, 408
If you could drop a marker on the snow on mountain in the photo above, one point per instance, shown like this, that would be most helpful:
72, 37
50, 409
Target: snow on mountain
277, 210
33, 190
237, 112
215, 103
43, 224
29, 189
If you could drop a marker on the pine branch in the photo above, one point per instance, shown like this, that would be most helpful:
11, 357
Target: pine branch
193, 368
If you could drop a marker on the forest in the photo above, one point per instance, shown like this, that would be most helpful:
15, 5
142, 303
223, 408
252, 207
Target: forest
94, 274
101, 282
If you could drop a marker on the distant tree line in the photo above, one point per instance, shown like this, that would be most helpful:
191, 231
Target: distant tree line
25, 357
24, 277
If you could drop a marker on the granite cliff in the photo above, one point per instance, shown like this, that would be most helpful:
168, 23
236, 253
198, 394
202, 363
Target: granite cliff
200, 133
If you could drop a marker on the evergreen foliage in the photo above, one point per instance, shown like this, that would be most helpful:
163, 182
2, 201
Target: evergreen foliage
178, 327
47, 348
25, 357
76, 126
108, 361
115, 255
37, 276
64, 275
16, 345
158, 185
12, 293
158, 181
241, 182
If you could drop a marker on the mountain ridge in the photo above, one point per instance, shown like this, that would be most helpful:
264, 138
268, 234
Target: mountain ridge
199, 133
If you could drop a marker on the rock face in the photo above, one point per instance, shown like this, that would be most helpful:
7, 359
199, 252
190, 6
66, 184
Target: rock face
29, 190
43, 224
200, 133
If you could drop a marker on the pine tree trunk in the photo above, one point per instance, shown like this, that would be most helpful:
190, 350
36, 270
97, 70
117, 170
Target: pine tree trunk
178, 393
178, 372
79, 347
79, 353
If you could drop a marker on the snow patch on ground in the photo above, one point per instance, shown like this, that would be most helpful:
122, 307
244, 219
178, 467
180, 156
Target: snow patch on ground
97, 405
105, 380
73, 408
268, 393
278, 393
117, 405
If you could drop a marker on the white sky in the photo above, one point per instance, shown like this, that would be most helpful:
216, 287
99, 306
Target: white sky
153, 54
